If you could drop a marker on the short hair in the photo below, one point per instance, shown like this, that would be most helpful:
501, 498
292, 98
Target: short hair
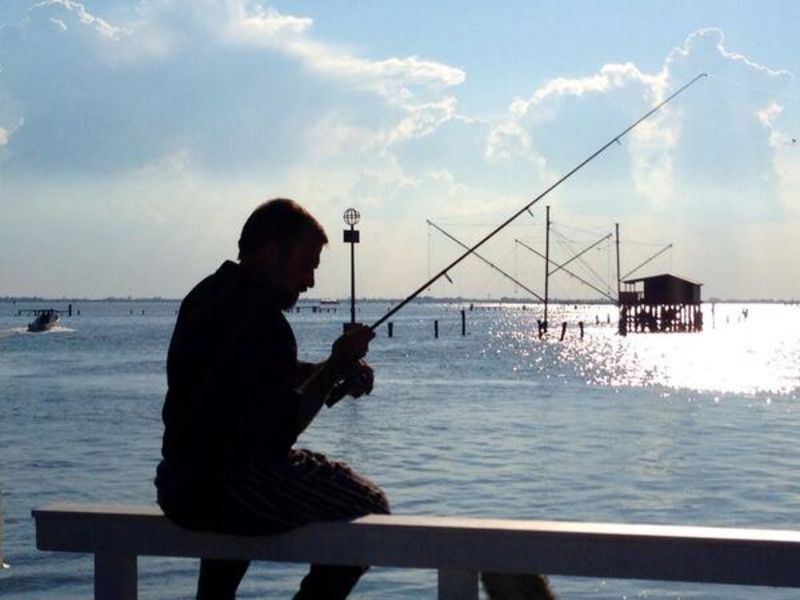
280, 220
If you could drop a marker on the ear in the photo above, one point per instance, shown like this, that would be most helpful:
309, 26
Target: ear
267, 255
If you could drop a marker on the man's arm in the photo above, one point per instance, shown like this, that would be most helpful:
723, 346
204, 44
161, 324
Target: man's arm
305, 370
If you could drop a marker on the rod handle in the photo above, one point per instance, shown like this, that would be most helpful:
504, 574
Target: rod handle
339, 391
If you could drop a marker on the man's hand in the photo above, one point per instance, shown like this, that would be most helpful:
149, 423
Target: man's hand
362, 380
349, 349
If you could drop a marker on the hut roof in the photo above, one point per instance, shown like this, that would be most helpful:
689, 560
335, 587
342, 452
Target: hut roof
662, 276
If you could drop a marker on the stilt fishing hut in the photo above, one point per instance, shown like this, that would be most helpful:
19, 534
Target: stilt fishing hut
661, 303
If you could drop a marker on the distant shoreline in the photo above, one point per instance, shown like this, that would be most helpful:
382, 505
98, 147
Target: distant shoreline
421, 300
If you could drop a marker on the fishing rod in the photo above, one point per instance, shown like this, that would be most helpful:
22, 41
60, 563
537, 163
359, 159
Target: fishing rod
504, 224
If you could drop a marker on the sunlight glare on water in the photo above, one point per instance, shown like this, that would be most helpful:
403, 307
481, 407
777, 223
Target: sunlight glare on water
756, 354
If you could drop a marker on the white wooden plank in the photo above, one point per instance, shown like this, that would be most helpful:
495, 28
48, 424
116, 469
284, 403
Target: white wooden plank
658, 552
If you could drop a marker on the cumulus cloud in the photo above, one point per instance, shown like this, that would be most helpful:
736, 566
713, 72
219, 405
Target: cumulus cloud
608, 78
214, 81
532, 125
669, 157
393, 78
248, 25
785, 162
179, 96
706, 48
78, 11
768, 117
263, 25
724, 155
423, 120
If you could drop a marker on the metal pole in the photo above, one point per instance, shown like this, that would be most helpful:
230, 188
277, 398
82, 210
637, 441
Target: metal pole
619, 281
352, 279
546, 265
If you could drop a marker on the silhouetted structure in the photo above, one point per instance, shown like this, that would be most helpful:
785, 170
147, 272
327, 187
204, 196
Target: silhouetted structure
659, 303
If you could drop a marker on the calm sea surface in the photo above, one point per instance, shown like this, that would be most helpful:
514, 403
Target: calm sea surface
671, 428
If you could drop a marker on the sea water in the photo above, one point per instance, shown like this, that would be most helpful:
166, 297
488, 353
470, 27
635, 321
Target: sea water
672, 428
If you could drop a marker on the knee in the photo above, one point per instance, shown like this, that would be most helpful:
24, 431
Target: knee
374, 502
381, 503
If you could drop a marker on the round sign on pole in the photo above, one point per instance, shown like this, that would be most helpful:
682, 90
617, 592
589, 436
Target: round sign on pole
352, 217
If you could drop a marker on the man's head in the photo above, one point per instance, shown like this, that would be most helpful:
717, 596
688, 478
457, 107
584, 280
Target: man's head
280, 246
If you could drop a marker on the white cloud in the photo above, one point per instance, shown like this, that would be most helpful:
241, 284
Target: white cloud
695, 140
515, 136
706, 48
767, 117
222, 91
422, 120
508, 140
396, 79
652, 165
392, 77
84, 16
165, 26
607, 79
785, 161
59, 24
264, 25
336, 134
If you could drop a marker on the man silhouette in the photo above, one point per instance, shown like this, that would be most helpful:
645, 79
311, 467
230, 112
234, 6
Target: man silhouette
238, 398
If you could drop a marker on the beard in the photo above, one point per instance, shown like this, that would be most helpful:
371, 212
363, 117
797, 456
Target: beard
286, 299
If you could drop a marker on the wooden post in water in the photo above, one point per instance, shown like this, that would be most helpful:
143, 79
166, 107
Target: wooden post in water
463, 322
563, 331
390, 326
436, 329
3, 564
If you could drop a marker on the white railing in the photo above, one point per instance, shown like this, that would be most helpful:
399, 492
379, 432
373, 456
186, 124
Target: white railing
459, 548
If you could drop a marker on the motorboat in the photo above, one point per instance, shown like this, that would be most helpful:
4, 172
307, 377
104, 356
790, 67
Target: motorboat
44, 321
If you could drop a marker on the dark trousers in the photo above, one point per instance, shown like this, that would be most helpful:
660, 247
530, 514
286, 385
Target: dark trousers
269, 498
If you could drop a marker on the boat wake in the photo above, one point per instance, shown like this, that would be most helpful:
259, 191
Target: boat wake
12, 331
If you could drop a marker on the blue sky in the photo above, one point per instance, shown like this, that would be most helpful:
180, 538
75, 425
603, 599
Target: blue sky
135, 137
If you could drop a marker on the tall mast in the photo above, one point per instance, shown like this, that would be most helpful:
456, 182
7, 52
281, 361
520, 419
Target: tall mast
618, 271
546, 265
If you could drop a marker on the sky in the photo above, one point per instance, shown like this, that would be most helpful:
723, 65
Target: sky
136, 137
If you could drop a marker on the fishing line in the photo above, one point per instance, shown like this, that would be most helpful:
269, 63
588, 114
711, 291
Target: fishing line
485, 260
578, 277
753, 88
592, 232
566, 243
599, 280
